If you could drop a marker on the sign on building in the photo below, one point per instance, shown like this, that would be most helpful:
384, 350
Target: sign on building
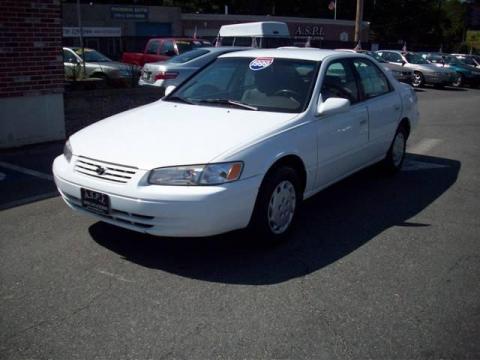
92, 31
129, 12
343, 36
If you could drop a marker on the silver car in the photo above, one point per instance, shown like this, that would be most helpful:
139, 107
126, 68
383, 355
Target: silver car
177, 69
423, 71
97, 65
398, 71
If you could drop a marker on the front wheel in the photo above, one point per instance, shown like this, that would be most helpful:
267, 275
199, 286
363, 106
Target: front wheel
396, 154
418, 79
277, 204
458, 81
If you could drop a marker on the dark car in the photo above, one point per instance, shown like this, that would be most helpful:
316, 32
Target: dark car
466, 74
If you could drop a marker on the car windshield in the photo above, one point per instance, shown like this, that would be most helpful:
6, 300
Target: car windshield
376, 56
91, 55
415, 59
264, 83
185, 57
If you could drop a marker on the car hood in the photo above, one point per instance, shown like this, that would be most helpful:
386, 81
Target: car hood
166, 134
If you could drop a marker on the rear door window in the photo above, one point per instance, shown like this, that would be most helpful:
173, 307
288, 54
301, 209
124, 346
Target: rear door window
373, 81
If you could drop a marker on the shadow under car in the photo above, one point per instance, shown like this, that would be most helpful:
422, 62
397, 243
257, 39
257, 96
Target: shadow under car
330, 225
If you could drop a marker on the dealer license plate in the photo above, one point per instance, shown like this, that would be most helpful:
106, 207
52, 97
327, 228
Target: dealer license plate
94, 201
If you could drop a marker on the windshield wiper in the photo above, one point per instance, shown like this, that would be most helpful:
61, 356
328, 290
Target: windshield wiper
228, 102
179, 99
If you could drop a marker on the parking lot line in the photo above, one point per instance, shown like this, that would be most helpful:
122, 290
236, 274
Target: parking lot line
28, 200
23, 170
424, 146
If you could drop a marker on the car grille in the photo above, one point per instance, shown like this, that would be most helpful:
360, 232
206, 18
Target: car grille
105, 170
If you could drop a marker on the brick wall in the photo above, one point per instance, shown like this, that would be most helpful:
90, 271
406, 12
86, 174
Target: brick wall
31, 60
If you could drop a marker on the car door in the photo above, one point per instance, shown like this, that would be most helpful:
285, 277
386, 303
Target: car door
72, 66
383, 105
342, 138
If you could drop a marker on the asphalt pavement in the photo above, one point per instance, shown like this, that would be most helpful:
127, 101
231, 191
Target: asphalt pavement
378, 267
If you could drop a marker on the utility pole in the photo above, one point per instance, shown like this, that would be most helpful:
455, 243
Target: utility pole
358, 20
80, 29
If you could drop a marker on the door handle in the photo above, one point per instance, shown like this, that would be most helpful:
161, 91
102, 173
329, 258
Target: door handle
396, 107
363, 122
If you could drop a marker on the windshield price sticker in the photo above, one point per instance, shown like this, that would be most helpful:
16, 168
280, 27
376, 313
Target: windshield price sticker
260, 63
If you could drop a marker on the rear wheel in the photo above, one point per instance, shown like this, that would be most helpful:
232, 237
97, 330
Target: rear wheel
418, 79
277, 204
396, 154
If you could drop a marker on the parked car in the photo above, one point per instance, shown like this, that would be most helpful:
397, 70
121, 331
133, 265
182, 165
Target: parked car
239, 144
398, 71
163, 49
471, 60
178, 68
466, 75
423, 71
97, 65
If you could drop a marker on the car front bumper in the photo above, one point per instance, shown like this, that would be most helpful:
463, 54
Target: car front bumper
177, 211
156, 83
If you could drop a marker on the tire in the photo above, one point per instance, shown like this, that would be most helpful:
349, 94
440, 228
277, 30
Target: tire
396, 154
418, 79
277, 204
459, 82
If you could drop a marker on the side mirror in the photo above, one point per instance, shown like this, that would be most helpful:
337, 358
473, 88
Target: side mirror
333, 105
169, 89
73, 61
403, 62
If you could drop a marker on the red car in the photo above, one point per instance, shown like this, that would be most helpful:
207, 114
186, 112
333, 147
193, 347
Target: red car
162, 49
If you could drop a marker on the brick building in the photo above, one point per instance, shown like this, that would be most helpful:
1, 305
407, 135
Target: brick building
31, 72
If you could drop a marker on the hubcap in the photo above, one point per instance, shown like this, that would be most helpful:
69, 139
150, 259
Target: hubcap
417, 80
458, 81
281, 207
398, 149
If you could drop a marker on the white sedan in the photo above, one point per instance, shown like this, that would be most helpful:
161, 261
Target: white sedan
240, 144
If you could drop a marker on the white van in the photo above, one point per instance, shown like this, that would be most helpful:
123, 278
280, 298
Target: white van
264, 34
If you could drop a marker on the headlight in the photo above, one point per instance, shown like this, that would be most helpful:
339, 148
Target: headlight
210, 174
67, 151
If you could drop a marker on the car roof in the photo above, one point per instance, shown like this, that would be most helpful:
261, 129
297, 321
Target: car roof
312, 54
255, 29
